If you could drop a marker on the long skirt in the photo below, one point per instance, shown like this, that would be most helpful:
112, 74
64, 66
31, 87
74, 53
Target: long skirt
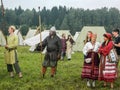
91, 70
69, 52
109, 72
50, 59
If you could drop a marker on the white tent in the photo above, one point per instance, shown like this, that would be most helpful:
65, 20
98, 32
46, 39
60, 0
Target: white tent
36, 39
31, 33
60, 32
76, 36
99, 30
2, 39
33, 41
66, 32
20, 38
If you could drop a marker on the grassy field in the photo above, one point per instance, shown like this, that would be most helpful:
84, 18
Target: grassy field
67, 77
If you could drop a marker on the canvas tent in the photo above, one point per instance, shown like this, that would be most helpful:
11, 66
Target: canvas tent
66, 32
76, 36
20, 37
34, 41
99, 30
2, 39
31, 33
60, 32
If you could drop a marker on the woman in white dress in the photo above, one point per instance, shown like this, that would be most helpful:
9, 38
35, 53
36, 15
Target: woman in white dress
69, 43
90, 69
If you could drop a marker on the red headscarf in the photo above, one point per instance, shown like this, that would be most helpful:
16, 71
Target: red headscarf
108, 35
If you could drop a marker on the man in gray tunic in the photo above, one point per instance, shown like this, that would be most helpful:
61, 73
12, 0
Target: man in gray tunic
53, 48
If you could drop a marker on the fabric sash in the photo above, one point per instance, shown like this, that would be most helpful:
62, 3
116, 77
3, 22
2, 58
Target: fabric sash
102, 66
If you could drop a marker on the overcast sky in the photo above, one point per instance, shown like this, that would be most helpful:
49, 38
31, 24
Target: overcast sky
86, 4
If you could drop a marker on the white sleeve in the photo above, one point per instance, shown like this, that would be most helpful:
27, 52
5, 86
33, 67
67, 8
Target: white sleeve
96, 47
85, 49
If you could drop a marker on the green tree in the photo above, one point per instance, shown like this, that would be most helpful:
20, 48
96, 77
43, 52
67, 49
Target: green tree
26, 17
64, 25
24, 29
54, 15
35, 18
10, 16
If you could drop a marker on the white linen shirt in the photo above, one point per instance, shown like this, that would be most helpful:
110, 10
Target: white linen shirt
89, 46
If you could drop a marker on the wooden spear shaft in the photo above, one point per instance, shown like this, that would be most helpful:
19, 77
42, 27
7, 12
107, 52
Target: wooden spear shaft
2, 8
3, 14
40, 34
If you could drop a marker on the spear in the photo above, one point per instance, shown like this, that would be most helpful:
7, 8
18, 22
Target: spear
3, 11
3, 14
40, 34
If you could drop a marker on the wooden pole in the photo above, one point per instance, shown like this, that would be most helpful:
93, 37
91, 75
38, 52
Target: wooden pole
2, 6
3, 27
40, 35
40, 26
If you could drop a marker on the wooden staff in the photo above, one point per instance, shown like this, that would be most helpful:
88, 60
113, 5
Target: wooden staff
40, 35
2, 6
3, 14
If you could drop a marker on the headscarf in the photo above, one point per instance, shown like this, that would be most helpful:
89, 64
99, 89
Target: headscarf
108, 35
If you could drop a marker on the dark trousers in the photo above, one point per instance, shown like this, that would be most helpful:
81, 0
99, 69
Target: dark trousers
16, 65
63, 54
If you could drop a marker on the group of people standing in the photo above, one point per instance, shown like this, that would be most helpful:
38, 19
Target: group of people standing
56, 48
97, 64
67, 45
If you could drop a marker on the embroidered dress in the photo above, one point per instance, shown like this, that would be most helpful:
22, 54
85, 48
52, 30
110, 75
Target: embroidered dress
91, 70
107, 71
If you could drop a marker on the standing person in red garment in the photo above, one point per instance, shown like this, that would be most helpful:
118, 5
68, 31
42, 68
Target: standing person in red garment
107, 71
90, 69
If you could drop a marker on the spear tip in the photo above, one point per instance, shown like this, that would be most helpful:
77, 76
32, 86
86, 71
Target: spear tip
39, 7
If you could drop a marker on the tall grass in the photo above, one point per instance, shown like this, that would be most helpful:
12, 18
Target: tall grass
67, 77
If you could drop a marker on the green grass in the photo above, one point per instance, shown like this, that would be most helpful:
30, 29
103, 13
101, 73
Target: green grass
67, 77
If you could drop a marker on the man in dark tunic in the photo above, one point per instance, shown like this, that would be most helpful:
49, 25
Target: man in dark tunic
53, 47
115, 33
116, 36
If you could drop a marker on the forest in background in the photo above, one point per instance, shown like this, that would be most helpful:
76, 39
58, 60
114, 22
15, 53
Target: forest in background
62, 18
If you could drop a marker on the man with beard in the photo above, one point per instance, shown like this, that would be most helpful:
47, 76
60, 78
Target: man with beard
53, 48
